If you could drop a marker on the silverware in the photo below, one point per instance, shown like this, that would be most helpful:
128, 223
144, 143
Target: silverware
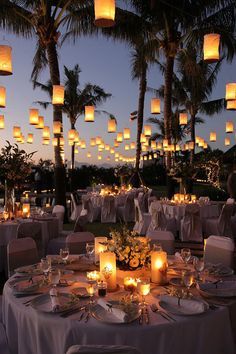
72, 311
146, 315
165, 315
27, 295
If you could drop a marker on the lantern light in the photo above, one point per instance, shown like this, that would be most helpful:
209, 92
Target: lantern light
40, 124
98, 140
116, 143
230, 93
147, 130
33, 116
155, 155
107, 147
159, 146
99, 157
89, 114
57, 126
212, 136
112, 151
155, 106
83, 144
45, 141
183, 118
211, 47
126, 133
231, 105
5, 60
16, 132
61, 141
54, 141
227, 141
205, 146
58, 93
92, 142
127, 147
165, 143
229, 127
119, 137
2, 122
191, 145
30, 138
46, 133
143, 138
104, 13
111, 125
132, 145
89, 155
2, 97
153, 145
71, 134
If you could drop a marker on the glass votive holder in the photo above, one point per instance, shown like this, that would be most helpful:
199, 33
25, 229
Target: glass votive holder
93, 276
102, 288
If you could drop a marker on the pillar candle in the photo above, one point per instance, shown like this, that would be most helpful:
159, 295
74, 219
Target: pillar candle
108, 269
159, 267
99, 247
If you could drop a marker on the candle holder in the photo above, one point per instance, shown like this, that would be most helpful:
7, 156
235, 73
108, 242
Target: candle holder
143, 290
159, 267
93, 276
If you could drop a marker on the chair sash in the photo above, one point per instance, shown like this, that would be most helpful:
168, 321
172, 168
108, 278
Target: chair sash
224, 221
191, 223
158, 219
76, 242
108, 207
102, 349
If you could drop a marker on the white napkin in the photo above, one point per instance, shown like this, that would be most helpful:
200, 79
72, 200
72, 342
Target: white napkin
178, 257
118, 313
54, 300
224, 288
187, 306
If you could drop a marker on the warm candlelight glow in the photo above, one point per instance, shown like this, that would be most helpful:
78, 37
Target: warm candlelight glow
89, 114
155, 106
93, 276
211, 47
229, 127
119, 137
126, 133
212, 136
230, 93
111, 125
33, 116
159, 267
2, 97
2, 122
231, 105
5, 60
99, 247
144, 289
90, 290
58, 95
104, 13
57, 127
26, 209
130, 284
108, 269
183, 118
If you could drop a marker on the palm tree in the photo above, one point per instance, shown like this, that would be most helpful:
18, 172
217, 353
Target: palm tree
76, 98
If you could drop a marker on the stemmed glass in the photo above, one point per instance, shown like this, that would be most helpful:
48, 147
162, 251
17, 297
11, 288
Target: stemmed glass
45, 266
198, 266
55, 277
90, 249
186, 255
144, 289
64, 253
188, 280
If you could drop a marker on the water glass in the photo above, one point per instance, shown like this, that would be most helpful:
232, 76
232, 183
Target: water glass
188, 280
45, 265
55, 277
64, 253
186, 254
144, 289
90, 249
198, 265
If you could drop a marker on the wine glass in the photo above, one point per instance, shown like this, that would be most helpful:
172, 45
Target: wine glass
198, 266
55, 277
144, 289
186, 254
45, 266
64, 253
90, 249
188, 280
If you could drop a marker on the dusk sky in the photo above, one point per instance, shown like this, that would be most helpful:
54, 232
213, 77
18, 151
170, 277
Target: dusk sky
104, 63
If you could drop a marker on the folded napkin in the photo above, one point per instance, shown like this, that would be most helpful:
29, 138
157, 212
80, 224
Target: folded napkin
178, 257
224, 288
187, 306
54, 300
27, 285
116, 312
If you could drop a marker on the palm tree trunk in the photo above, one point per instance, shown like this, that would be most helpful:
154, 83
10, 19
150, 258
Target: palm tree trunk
168, 103
60, 175
192, 132
73, 151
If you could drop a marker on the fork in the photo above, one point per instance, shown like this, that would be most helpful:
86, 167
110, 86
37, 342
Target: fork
165, 315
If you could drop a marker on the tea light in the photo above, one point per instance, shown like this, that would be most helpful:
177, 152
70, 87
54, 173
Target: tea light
5, 215
193, 198
159, 267
99, 247
93, 276
26, 209
144, 288
108, 269
130, 284
91, 290
181, 198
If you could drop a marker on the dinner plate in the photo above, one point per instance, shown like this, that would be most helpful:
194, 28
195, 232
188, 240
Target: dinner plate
105, 316
43, 303
226, 288
183, 310
26, 286
219, 270
29, 270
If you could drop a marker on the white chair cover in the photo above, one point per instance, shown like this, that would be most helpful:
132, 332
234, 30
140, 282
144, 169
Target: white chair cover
219, 249
126, 212
59, 212
34, 230
150, 200
100, 349
230, 201
191, 226
108, 211
21, 252
88, 209
141, 200
165, 238
142, 220
158, 218
222, 225
76, 242
75, 208
4, 349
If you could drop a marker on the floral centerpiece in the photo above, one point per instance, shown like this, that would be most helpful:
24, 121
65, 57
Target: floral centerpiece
132, 251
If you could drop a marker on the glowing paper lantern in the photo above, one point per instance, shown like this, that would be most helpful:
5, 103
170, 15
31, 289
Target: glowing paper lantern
191, 145
229, 127
205, 145
126, 147
33, 116
143, 139
227, 141
45, 141
99, 157
126, 133
230, 93
116, 144
30, 138
89, 114
98, 140
153, 145
58, 93
155, 155
71, 134
61, 141
132, 145
212, 136
231, 105
54, 141
111, 125
211, 47
2, 122
165, 143
183, 118
57, 127
104, 13
89, 155
159, 145
112, 151
107, 147
155, 106
83, 144
92, 142
2, 97
119, 137
5, 60
147, 130
46, 133
40, 124
16, 132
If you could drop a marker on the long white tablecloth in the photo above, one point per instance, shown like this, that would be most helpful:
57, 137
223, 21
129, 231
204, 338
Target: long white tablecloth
29, 331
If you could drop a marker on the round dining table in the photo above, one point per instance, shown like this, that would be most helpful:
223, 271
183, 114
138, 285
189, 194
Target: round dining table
31, 331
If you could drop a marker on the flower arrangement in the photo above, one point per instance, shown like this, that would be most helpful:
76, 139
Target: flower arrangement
132, 251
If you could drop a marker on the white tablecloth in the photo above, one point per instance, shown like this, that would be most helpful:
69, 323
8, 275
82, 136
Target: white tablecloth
29, 331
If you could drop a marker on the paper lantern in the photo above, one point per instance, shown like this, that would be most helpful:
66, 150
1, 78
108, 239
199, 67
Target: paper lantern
229, 127
99, 247
71, 134
126, 133
104, 13
155, 106
212, 136
205, 145
76, 150
201, 142
227, 141
197, 139
99, 157
143, 138
46, 141
107, 147
147, 130
2, 121
111, 125
159, 146
117, 155
144, 148
165, 143
30, 138
5, 60
153, 145
127, 147
2, 97
231, 105
98, 140
57, 127
16, 132
119, 137
177, 148
33, 116
89, 154
46, 133
92, 142
112, 151
71, 142
191, 145
155, 155
76, 138
183, 118
61, 141
211, 47
40, 124
58, 93
83, 144
26, 210
132, 145
230, 93
116, 144
89, 114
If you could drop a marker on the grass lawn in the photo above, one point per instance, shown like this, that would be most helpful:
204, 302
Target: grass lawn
99, 229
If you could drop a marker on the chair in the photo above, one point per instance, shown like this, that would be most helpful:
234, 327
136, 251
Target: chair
159, 220
230, 201
92, 212
4, 349
21, 252
219, 249
142, 220
165, 238
126, 212
142, 199
190, 225
108, 210
100, 349
33, 230
222, 225
59, 212
75, 207
76, 242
